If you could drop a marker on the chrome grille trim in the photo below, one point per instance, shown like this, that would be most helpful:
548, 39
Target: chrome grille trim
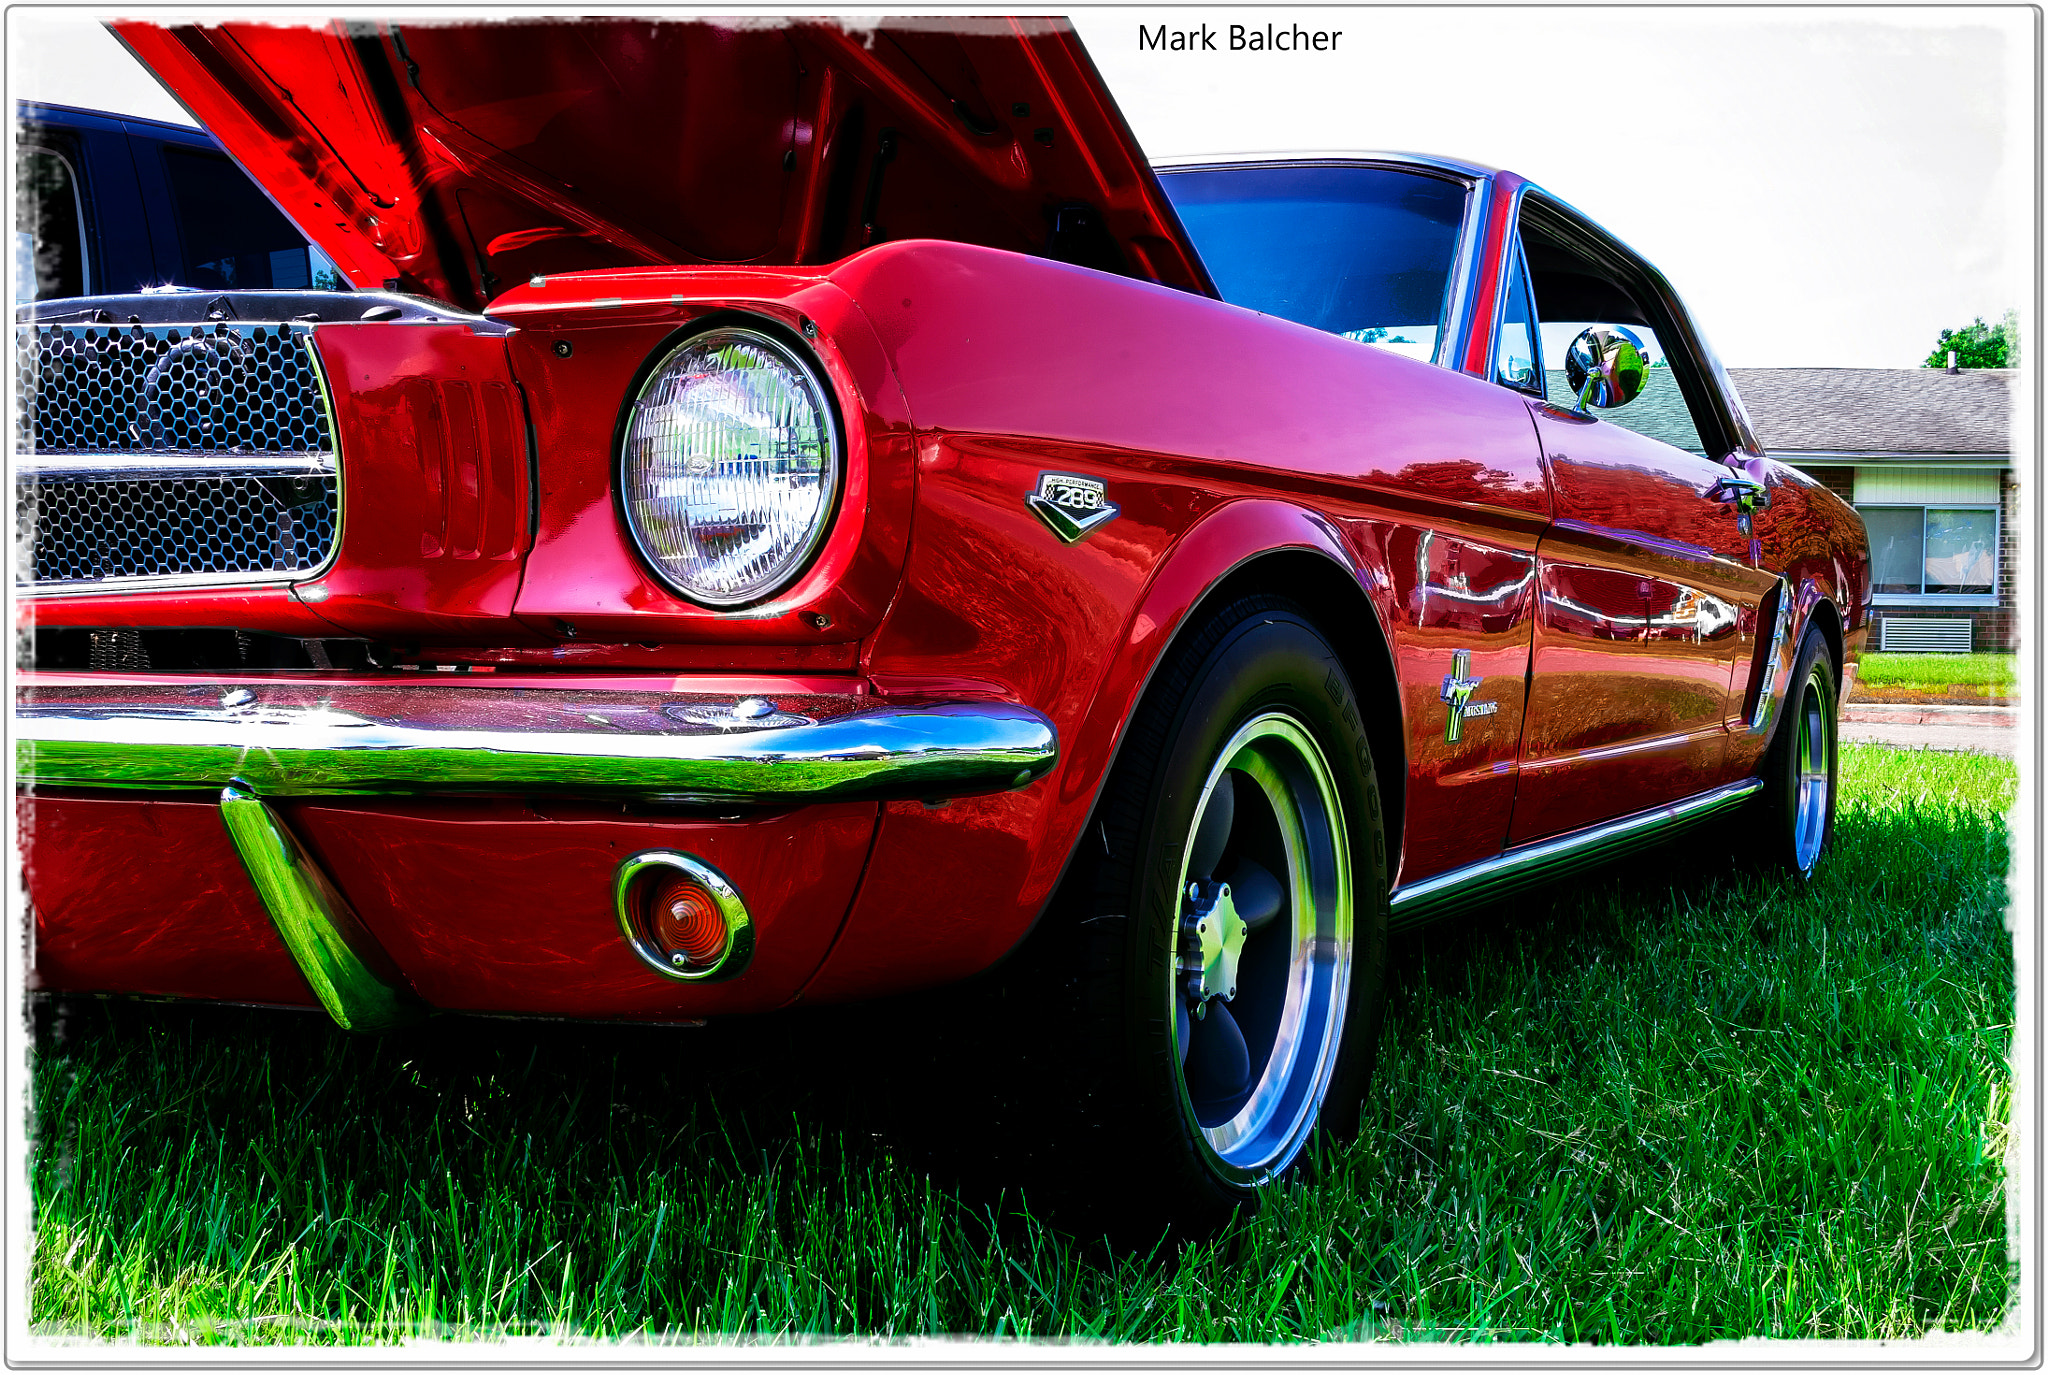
172, 455
120, 467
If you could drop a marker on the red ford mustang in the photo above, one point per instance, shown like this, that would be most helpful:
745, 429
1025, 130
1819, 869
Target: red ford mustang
790, 512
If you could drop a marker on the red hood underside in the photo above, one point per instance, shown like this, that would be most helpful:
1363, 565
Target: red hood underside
457, 160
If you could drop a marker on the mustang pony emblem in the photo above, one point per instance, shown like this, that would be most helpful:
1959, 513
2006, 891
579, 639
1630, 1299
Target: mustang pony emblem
1071, 506
1457, 692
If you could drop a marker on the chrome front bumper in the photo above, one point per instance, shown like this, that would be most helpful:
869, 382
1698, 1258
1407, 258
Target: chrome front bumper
280, 739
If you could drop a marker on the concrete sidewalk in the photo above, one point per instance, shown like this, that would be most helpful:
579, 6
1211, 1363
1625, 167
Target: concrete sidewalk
1992, 730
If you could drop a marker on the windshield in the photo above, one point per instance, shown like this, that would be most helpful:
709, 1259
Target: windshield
1364, 252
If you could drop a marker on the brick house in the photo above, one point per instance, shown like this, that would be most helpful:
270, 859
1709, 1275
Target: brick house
1925, 456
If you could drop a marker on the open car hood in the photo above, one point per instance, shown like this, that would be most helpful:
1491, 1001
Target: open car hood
457, 160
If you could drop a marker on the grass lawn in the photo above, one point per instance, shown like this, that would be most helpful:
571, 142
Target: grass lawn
1986, 675
1660, 1105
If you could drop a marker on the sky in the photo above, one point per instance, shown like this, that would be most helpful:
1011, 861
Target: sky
1826, 187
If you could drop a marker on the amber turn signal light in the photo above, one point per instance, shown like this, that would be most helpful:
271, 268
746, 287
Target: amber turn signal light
686, 923
682, 917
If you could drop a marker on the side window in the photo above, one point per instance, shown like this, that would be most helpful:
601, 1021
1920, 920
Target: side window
1515, 359
232, 236
49, 228
1575, 292
1658, 411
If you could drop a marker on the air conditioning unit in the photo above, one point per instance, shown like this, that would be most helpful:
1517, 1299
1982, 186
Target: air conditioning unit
1924, 635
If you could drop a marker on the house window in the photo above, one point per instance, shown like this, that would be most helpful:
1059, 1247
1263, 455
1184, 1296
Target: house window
1924, 553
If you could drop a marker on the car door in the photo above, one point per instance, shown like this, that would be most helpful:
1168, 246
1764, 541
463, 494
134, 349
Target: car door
1647, 582
1446, 484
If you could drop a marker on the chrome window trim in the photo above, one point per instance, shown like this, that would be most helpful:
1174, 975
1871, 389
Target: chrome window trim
1477, 181
1516, 255
1730, 422
85, 257
1464, 288
1454, 167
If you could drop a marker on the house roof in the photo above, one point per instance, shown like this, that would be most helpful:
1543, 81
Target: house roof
1843, 410
1880, 410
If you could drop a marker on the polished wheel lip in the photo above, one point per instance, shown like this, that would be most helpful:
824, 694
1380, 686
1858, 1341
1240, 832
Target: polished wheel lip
1813, 760
1273, 1125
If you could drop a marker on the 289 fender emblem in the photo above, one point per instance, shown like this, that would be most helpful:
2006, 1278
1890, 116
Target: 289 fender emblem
1072, 507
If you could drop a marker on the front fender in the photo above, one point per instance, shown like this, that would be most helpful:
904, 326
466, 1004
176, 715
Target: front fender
950, 891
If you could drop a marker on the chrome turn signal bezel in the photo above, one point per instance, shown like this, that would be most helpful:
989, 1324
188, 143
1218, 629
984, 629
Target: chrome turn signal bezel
629, 887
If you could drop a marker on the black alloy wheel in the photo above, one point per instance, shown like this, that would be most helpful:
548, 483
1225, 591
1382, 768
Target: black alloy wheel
1228, 953
1793, 818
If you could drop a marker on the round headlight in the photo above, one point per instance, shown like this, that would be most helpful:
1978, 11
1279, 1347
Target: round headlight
730, 468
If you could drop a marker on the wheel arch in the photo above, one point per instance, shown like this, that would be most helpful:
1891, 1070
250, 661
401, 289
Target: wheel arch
1827, 618
1339, 607
1277, 548
1812, 609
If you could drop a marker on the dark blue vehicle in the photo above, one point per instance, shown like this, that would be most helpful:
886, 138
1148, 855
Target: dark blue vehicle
107, 204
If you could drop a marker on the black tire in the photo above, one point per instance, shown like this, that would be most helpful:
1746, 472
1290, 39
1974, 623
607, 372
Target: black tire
1789, 825
1261, 681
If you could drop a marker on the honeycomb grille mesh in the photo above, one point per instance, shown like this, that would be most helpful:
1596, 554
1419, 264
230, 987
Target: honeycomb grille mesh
189, 411
166, 527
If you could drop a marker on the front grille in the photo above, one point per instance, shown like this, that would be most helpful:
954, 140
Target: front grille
90, 531
195, 453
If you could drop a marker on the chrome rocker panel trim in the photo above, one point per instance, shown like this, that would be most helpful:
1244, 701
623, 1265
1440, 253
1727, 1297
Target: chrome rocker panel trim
284, 740
1541, 861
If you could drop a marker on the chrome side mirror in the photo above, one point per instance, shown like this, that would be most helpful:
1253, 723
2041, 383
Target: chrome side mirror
1605, 367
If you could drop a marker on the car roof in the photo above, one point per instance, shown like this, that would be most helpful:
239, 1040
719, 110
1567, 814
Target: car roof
1457, 166
47, 112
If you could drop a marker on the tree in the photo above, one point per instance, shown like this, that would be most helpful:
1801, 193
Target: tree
1978, 345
